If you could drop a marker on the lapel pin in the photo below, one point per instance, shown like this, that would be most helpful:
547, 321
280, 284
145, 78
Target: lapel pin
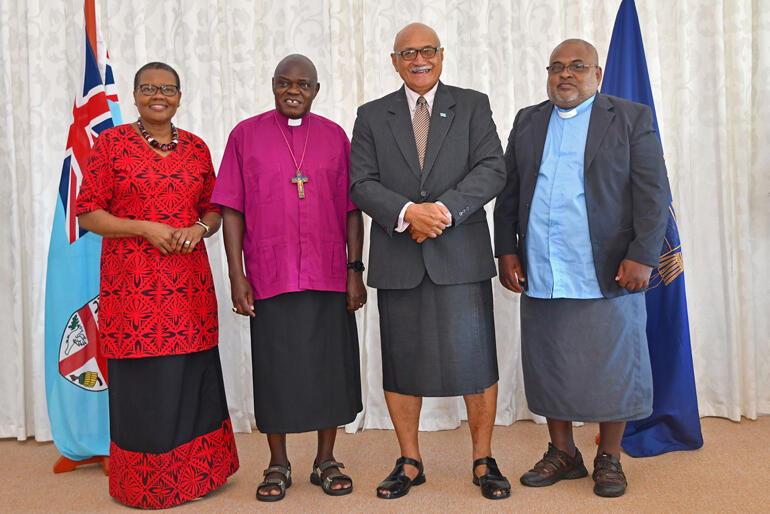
442, 114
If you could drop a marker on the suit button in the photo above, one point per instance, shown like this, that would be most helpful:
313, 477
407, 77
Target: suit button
423, 194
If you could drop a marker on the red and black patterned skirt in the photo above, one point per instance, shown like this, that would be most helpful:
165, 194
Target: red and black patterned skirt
172, 440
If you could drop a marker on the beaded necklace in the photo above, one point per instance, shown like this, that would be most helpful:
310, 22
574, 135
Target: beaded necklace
165, 147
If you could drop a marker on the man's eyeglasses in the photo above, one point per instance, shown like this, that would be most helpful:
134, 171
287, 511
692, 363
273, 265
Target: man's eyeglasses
150, 89
410, 54
574, 68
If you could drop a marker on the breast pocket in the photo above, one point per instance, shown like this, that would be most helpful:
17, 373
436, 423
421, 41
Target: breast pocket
267, 181
328, 179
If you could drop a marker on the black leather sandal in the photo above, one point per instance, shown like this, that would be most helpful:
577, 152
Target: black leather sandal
282, 484
398, 482
492, 480
316, 477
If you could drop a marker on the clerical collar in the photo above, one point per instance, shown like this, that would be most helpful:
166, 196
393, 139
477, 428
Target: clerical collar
579, 109
285, 120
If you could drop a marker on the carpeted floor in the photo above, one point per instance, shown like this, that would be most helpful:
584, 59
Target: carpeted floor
731, 473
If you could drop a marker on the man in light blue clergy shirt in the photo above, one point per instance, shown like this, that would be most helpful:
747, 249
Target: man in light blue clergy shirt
578, 229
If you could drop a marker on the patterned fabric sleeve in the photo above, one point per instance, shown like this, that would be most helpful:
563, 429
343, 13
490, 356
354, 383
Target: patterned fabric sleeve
97, 187
209, 178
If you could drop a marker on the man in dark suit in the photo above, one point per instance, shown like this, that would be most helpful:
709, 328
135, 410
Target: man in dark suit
578, 229
424, 161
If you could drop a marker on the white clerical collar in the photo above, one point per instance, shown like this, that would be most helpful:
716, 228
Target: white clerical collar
295, 122
412, 96
578, 109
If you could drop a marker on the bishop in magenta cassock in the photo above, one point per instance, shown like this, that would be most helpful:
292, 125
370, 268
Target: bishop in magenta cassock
294, 241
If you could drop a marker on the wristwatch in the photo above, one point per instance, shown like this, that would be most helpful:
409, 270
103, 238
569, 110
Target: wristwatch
357, 266
200, 222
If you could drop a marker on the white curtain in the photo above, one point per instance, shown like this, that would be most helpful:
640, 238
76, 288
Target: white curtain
708, 61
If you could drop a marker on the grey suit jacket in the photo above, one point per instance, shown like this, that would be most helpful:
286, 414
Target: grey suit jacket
626, 187
463, 169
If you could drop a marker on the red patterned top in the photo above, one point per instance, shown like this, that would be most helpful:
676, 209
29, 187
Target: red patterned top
151, 304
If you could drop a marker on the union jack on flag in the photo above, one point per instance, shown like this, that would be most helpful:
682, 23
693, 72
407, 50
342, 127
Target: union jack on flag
75, 368
91, 114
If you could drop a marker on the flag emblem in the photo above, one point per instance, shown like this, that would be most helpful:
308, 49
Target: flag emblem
671, 263
80, 361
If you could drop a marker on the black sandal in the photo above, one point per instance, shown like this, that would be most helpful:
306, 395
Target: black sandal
492, 480
398, 482
316, 477
282, 484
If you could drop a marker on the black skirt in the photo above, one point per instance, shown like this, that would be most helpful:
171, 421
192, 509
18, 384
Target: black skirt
304, 352
438, 340
172, 440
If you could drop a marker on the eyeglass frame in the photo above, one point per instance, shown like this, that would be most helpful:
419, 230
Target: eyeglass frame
435, 49
575, 67
155, 89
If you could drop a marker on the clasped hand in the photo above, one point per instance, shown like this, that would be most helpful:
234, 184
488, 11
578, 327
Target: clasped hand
426, 220
170, 240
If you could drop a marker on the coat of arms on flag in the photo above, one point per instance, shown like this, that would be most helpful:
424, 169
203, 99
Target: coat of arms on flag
80, 362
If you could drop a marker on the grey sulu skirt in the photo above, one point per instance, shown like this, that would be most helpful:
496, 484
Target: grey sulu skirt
586, 360
438, 340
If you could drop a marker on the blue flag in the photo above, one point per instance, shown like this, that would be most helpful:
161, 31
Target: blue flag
75, 368
674, 423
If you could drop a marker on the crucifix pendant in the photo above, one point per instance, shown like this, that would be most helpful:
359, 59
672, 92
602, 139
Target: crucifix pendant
300, 181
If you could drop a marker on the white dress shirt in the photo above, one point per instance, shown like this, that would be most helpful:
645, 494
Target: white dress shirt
411, 100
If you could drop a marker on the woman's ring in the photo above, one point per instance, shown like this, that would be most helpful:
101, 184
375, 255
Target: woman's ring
186, 243
235, 309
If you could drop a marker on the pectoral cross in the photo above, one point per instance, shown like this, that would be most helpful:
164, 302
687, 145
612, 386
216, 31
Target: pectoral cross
300, 181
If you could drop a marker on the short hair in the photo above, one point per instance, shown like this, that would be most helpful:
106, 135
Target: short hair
156, 66
588, 46
300, 59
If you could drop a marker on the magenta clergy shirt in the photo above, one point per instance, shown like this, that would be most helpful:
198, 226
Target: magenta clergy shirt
290, 243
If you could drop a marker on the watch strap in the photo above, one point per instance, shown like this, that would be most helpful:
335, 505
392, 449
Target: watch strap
356, 266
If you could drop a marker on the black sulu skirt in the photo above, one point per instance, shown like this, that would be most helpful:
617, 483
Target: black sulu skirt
305, 363
172, 440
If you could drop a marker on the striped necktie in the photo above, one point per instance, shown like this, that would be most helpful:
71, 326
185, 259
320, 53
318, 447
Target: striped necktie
420, 125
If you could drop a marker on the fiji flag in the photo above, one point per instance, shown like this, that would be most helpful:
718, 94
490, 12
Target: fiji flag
75, 369
674, 423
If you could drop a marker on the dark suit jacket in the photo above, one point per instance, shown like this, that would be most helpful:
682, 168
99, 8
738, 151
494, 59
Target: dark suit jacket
463, 168
626, 188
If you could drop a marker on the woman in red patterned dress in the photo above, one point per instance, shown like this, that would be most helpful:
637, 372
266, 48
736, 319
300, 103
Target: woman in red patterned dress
146, 190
